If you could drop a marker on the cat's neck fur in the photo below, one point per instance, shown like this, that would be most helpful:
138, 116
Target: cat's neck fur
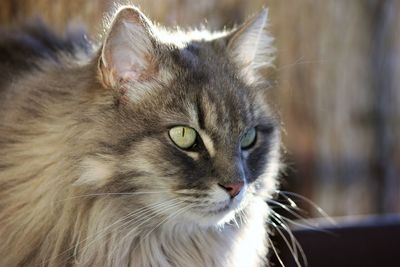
178, 244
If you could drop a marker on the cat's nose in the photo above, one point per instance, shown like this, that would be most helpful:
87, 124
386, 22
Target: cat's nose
233, 189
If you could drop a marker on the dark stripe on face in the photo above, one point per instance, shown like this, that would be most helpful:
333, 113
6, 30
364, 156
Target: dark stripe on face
200, 113
259, 157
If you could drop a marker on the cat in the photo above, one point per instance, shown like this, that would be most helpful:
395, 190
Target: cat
151, 148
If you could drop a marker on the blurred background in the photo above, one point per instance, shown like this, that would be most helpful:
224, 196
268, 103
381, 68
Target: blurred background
337, 86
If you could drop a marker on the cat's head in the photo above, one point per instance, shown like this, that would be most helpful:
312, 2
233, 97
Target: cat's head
189, 133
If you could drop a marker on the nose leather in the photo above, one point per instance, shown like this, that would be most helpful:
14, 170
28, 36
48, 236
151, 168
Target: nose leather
233, 189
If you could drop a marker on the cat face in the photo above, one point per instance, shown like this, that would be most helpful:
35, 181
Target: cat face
189, 126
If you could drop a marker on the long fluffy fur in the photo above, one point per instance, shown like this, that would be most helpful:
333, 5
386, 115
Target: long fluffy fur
61, 173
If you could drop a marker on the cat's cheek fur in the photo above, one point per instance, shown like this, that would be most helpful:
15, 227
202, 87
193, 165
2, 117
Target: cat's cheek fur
95, 172
269, 179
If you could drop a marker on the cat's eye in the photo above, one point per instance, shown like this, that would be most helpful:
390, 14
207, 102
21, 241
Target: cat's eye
184, 137
248, 138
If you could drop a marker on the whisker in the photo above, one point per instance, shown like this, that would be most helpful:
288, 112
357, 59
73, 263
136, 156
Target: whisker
281, 223
294, 240
102, 232
289, 245
295, 243
145, 212
285, 227
276, 252
299, 63
112, 193
295, 63
297, 223
283, 206
170, 217
292, 204
242, 217
236, 223
174, 205
311, 203
146, 216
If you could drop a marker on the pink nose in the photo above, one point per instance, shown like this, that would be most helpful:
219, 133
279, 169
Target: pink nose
232, 189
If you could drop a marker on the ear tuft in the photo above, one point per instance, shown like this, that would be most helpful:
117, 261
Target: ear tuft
251, 47
128, 53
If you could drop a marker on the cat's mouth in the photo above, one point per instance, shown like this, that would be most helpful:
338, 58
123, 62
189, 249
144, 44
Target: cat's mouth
215, 207
220, 208
217, 213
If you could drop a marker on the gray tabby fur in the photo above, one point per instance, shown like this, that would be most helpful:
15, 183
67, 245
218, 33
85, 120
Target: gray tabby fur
88, 174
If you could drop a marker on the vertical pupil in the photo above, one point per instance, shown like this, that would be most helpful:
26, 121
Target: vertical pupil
183, 132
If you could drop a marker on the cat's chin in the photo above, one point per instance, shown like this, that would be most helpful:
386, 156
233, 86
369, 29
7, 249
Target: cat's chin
210, 219
216, 217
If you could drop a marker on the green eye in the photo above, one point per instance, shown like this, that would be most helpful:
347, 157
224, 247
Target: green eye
184, 137
249, 138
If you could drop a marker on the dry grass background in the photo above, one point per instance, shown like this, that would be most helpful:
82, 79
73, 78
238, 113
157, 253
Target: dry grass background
337, 85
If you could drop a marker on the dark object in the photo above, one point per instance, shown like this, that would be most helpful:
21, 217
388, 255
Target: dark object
371, 242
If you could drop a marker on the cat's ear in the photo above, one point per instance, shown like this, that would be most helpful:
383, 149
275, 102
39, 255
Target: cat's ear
250, 46
128, 53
